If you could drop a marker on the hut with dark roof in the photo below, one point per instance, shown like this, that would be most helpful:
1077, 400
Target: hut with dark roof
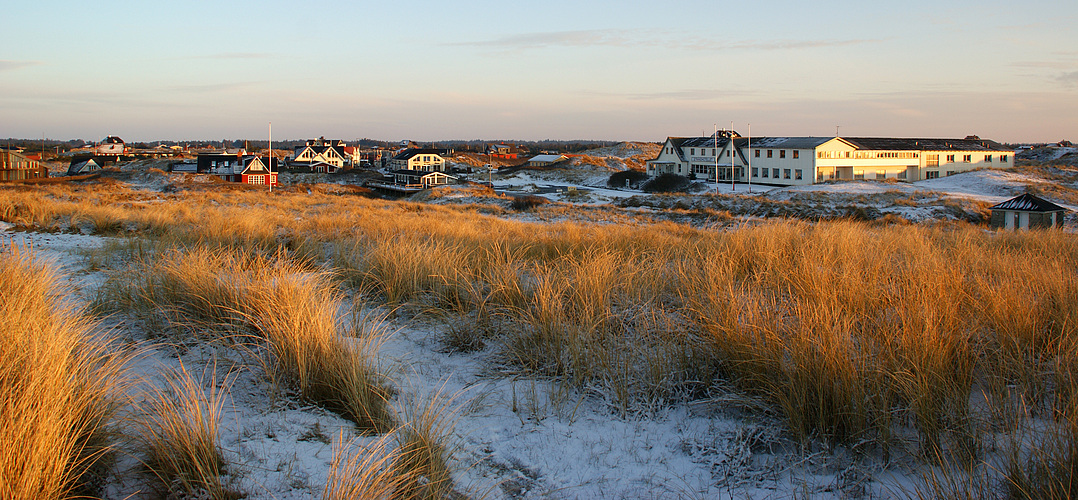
1027, 212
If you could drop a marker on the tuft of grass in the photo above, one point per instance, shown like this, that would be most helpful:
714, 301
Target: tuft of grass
286, 313
61, 385
423, 447
307, 350
178, 432
363, 474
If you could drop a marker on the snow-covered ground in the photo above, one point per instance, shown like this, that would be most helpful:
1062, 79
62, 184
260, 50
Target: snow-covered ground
522, 437
513, 437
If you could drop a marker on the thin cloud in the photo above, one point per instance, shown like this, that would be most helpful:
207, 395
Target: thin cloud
6, 65
643, 38
1070, 78
211, 88
227, 56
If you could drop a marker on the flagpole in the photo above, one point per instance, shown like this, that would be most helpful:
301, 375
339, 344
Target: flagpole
269, 162
748, 148
732, 176
715, 137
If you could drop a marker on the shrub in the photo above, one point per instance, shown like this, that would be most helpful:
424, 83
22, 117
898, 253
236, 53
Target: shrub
525, 203
632, 177
667, 183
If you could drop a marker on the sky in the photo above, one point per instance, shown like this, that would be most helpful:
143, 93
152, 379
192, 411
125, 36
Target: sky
558, 69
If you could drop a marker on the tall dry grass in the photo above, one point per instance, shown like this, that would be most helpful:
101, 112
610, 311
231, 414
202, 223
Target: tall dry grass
279, 309
177, 431
61, 385
856, 333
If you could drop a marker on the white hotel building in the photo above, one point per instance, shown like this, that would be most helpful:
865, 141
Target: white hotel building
807, 160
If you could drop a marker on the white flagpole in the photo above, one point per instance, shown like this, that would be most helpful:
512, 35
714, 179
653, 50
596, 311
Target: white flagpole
748, 173
716, 139
269, 162
732, 176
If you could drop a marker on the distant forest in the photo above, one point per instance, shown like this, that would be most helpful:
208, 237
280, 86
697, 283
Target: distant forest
475, 145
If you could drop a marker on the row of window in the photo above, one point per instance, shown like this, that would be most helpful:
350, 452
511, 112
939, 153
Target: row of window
774, 173
782, 154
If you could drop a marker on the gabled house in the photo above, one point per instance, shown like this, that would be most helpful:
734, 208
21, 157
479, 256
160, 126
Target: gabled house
789, 161
701, 157
329, 155
506, 151
546, 160
239, 167
84, 167
256, 171
111, 146
420, 179
1026, 212
15, 166
425, 160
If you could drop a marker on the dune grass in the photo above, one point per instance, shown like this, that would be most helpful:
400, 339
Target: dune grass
177, 429
925, 338
61, 385
272, 306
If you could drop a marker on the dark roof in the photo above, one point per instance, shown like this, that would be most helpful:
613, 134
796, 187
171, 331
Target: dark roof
409, 153
889, 143
782, 142
1028, 203
418, 173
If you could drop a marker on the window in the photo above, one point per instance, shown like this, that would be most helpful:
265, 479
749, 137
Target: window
797, 174
769, 152
692, 151
765, 173
727, 153
712, 151
256, 179
755, 172
796, 154
950, 158
901, 174
988, 158
756, 153
948, 173
782, 153
880, 175
932, 174
859, 174
775, 173
967, 158
700, 169
1003, 158
786, 174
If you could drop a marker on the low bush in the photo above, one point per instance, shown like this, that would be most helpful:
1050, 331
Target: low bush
528, 202
667, 183
630, 178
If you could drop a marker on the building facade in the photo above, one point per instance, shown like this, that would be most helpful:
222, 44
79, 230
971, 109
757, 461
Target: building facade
808, 160
424, 160
16, 167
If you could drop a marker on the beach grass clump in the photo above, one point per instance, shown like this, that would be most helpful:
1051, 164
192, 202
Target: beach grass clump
177, 429
62, 383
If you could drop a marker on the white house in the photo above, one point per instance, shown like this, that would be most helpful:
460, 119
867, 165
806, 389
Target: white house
807, 160
425, 160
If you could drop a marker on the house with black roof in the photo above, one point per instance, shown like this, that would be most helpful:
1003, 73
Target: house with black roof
1027, 212
425, 160
727, 156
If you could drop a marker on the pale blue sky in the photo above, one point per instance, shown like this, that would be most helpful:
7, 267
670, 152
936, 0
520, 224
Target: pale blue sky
615, 70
